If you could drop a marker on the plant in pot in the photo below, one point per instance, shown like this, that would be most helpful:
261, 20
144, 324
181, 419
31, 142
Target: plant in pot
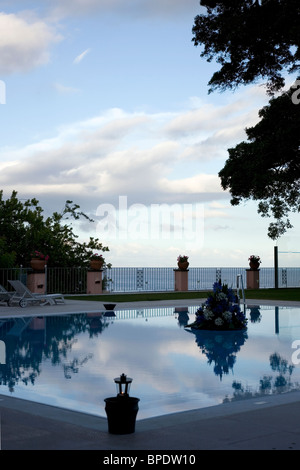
182, 262
96, 261
254, 262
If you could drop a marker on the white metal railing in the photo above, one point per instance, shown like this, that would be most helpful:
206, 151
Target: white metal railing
147, 279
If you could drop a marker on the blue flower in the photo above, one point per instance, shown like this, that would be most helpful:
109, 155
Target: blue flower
218, 304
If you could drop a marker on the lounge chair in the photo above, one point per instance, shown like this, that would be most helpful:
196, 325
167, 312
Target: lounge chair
5, 295
23, 296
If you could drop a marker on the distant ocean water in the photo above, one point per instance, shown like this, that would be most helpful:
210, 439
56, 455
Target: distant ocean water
162, 279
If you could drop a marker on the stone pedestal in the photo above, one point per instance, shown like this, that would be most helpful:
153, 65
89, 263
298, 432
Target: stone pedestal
181, 280
252, 279
36, 282
94, 282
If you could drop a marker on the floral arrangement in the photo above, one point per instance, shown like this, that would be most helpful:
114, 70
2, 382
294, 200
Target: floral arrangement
254, 259
182, 259
220, 311
39, 255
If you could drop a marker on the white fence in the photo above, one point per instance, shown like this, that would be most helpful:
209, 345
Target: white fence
122, 279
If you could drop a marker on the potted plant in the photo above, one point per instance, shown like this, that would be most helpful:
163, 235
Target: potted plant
38, 260
254, 262
182, 262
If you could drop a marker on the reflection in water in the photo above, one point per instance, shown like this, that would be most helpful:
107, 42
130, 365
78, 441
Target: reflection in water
70, 360
74, 365
29, 342
255, 315
268, 384
182, 315
220, 347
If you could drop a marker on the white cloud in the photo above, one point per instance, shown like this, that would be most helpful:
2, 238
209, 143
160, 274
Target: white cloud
81, 56
132, 8
225, 119
65, 90
197, 185
24, 44
134, 154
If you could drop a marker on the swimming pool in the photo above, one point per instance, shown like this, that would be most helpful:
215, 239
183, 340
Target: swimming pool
70, 361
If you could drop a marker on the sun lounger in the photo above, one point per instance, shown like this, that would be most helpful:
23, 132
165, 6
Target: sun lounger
23, 296
4, 294
20, 324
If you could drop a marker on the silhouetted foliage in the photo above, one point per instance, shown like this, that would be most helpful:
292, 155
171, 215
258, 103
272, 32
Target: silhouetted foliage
24, 229
259, 40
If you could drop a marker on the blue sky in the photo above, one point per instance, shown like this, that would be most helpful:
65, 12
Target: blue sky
106, 100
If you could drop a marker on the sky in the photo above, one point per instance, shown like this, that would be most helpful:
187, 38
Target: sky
105, 103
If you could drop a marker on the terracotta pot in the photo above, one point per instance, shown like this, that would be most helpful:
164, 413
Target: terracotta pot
183, 265
96, 264
254, 265
38, 264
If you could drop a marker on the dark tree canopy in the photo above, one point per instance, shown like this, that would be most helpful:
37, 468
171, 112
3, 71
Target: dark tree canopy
250, 39
24, 230
267, 168
259, 40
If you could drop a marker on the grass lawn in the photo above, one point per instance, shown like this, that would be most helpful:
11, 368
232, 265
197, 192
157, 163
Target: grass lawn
144, 296
266, 294
288, 293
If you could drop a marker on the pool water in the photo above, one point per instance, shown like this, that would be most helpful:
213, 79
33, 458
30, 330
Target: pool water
71, 361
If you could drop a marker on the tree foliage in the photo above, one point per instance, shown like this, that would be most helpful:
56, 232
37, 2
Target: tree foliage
254, 40
267, 168
250, 39
24, 229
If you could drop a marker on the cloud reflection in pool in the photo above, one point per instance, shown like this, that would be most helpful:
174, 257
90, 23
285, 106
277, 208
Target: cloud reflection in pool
71, 360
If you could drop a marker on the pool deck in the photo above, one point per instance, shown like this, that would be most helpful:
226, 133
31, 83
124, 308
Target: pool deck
88, 306
263, 423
